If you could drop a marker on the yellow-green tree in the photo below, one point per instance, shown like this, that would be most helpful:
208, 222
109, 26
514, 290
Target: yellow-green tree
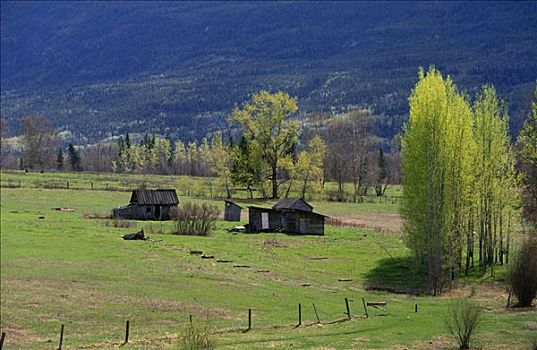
495, 183
437, 148
308, 169
265, 121
221, 161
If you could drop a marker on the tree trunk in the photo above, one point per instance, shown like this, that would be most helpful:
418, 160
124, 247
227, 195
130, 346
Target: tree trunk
274, 182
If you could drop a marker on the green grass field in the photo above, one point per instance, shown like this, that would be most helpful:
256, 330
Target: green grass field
63, 268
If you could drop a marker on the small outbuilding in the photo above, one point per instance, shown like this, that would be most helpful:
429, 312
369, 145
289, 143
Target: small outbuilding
289, 215
232, 211
149, 205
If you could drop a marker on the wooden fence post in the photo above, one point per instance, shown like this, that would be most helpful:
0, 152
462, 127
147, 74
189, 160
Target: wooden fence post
299, 314
67, 184
365, 308
316, 314
61, 338
416, 308
249, 319
92, 185
2, 340
190, 319
127, 332
348, 308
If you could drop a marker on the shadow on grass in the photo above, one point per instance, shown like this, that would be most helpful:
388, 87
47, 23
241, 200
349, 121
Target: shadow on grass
397, 275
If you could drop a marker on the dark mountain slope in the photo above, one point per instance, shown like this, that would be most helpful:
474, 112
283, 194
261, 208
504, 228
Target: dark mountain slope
105, 67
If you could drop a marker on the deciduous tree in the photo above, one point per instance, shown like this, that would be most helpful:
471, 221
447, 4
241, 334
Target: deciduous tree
527, 157
437, 149
39, 141
265, 120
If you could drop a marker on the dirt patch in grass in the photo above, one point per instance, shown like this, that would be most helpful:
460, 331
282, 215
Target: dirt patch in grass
19, 335
389, 223
75, 295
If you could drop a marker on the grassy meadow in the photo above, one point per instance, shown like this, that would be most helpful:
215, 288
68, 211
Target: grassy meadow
64, 267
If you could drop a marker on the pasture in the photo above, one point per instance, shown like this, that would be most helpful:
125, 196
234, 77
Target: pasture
62, 267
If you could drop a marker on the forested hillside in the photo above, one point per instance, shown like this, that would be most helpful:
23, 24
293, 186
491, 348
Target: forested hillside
108, 68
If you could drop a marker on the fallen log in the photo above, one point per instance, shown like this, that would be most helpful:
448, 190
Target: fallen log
135, 236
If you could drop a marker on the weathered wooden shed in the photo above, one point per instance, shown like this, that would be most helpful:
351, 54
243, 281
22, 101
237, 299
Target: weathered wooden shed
232, 211
302, 222
264, 219
289, 215
149, 205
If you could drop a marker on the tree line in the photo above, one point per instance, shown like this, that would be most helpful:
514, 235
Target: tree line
460, 180
266, 151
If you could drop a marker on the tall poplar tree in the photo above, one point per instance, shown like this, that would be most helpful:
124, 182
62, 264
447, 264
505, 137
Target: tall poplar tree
436, 167
495, 177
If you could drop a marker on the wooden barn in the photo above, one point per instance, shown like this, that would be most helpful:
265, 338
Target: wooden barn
232, 211
149, 205
289, 216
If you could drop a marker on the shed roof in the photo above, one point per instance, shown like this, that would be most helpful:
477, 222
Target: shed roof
292, 203
232, 203
305, 212
152, 197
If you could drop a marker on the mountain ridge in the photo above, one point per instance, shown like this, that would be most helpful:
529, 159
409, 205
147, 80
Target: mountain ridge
105, 68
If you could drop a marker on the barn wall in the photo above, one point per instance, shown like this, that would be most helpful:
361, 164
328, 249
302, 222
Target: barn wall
289, 222
316, 225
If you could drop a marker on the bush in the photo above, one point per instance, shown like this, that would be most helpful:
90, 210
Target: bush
195, 219
522, 273
462, 320
197, 337
117, 222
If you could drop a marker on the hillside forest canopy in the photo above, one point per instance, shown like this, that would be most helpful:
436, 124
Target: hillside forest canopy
98, 70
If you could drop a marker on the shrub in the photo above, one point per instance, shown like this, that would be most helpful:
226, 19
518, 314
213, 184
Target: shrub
117, 222
522, 273
195, 219
462, 320
197, 337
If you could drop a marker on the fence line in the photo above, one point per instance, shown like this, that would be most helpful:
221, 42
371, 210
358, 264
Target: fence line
250, 318
220, 193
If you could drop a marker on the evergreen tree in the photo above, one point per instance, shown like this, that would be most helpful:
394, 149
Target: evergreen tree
247, 166
59, 159
74, 158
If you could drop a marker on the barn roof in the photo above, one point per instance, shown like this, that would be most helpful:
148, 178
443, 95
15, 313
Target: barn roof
152, 197
292, 203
